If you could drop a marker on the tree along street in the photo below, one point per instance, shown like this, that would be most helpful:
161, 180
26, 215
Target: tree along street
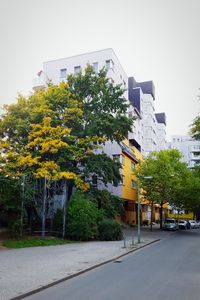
169, 269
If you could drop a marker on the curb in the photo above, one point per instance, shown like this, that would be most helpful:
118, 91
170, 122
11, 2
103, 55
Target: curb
79, 273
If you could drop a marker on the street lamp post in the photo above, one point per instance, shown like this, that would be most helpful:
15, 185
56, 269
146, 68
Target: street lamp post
138, 228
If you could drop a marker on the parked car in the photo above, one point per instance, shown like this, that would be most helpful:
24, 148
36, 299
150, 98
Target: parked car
194, 224
170, 224
198, 224
182, 224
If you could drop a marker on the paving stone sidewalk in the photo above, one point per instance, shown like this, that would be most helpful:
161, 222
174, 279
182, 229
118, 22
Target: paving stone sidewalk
28, 269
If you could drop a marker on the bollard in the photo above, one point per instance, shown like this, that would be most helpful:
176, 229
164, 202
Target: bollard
132, 240
124, 241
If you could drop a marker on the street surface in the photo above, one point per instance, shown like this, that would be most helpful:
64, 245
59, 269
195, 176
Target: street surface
166, 270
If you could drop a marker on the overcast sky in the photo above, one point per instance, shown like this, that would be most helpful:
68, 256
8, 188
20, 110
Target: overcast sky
155, 40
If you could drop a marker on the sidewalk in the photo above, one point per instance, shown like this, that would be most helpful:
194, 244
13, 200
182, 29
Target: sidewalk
25, 270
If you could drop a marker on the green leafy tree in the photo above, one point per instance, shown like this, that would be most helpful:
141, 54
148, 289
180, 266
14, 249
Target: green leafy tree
54, 132
103, 103
195, 130
10, 203
166, 171
189, 192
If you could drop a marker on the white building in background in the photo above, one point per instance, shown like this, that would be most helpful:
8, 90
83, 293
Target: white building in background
189, 148
149, 132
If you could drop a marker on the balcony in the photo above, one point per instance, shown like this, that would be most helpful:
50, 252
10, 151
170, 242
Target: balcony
38, 83
195, 156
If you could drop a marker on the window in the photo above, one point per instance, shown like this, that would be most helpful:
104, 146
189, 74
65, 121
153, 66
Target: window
77, 69
109, 64
132, 166
133, 184
116, 157
63, 73
95, 66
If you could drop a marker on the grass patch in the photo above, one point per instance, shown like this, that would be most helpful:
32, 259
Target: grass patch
34, 242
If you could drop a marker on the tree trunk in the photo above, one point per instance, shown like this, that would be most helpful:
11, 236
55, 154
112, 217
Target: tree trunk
67, 193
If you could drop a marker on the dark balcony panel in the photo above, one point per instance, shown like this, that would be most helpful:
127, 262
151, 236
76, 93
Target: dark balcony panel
134, 143
147, 87
161, 118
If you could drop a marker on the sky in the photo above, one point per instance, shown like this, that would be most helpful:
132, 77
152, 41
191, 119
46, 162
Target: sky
155, 40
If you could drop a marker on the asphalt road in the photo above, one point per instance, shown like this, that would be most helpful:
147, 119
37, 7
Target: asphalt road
166, 270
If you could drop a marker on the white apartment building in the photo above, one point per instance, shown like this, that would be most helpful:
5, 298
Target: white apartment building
149, 129
151, 133
189, 148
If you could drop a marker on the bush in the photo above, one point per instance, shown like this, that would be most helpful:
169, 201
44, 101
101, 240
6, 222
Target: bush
82, 219
58, 220
110, 230
112, 205
16, 226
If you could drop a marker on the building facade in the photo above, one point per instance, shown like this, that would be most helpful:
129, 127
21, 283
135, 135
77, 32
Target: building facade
189, 148
148, 131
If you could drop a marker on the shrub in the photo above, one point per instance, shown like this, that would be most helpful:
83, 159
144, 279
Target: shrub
111, 205
82, 219
110, 230
16, 226
58, 220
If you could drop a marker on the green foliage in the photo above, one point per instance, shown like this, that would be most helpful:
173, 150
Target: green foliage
58, 220
195, 130
189, 192
104, 105
34, 242
16, 226
105, 168
10, 189
167, 172
56, 129
82, 218
110, 230
54, 132
111, 205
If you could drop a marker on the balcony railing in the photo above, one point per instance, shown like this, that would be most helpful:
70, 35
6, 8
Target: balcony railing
38, 83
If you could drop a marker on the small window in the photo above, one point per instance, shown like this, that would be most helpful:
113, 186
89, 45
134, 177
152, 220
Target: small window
116, 157
95, 67
63, 73
133, 184
109, 64
122, 181
77, 69
132, 166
